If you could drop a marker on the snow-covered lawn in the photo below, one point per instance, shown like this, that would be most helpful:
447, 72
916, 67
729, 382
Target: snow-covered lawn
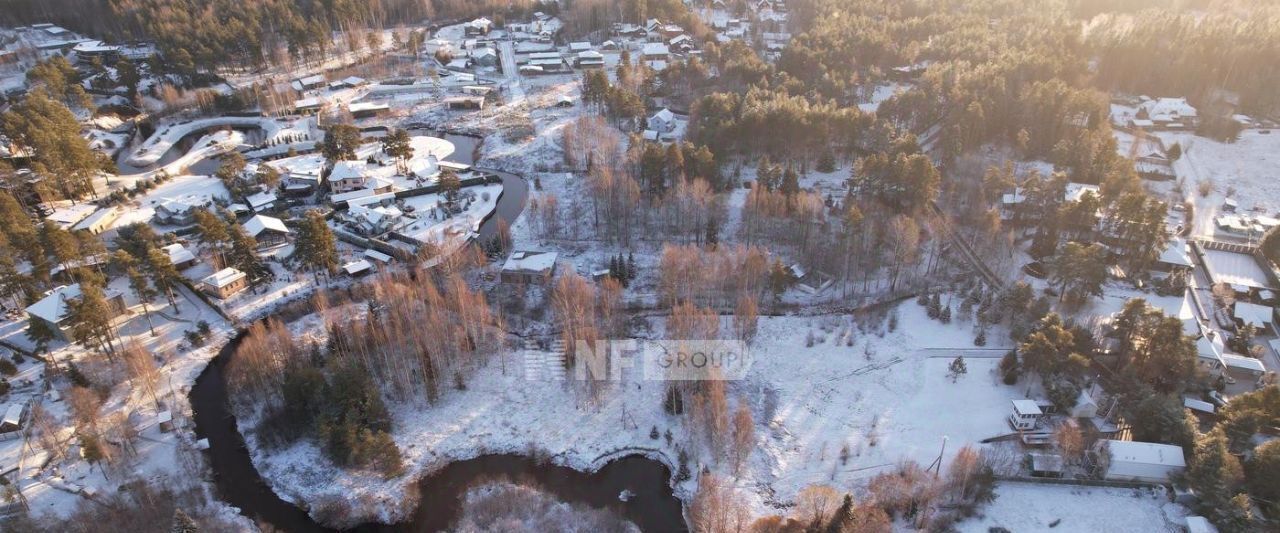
895, 403
1244, 170
1031, 507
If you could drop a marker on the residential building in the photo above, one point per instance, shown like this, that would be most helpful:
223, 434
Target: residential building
529, 267
54, 309
268, 231
224, 283
1141, 461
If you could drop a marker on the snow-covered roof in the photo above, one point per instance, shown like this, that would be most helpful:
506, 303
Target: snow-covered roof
66, 217
367, 106
54, 308
186, 202
377, 256
1243, 362
1075, 191
1168, 109
1250, 313
261, 199
1176, 253
1149, 453
1013, 198
580, 46
356, 267
260, 223
526, 261
664, 115
308, 103
348, 169
1027, 407
223, 277
178, 253
13, 414
97, 217
1198, 405
375, 215
656, 49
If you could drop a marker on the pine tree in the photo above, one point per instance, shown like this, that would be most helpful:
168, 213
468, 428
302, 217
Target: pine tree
842, 517
244, 257
631, 266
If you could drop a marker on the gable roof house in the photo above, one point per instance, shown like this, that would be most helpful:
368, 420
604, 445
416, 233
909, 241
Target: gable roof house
267, 230
54, 309
664, 121
179, 255
347, 176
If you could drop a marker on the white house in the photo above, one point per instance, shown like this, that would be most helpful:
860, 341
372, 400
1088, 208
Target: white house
1141, 461
663, 121
347, 176
1026, 415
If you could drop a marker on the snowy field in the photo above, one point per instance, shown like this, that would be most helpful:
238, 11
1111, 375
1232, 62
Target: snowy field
1244, 171
808, 402
1031, 507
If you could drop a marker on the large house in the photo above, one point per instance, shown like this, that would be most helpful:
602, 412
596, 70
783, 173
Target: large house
1169, 113
181, 211
54, 309
347, 176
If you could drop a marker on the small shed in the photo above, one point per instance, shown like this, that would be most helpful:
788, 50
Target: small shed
15, 417
358, 268
1046, 464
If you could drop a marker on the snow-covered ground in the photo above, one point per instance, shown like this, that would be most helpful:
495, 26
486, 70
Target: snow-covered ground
1031, 507
879, 94
894, 404
1244, 171
168, 458
169, 133
143, 208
